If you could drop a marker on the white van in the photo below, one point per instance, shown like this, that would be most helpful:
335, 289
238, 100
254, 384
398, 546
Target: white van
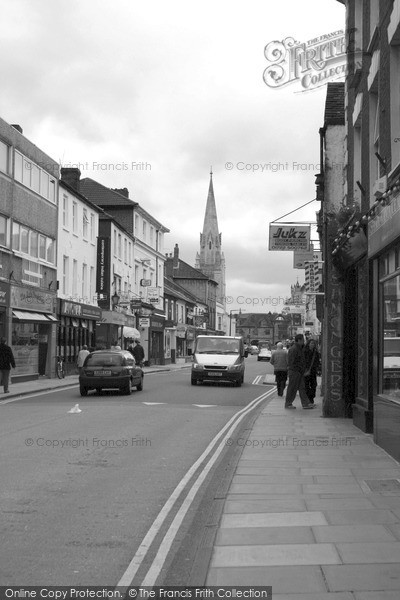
218, 358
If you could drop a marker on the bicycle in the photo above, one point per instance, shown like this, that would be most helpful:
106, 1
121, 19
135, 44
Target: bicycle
60, 367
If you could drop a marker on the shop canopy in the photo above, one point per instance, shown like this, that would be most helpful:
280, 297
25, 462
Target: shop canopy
131, 332
24, 315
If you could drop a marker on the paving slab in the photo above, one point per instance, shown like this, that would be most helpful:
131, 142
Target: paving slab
374, 515
374, 595
275, 555
352, 533
353, 502
270, 488
376, 552
294, 580
370, 577
265, 535
281, 519
265, 505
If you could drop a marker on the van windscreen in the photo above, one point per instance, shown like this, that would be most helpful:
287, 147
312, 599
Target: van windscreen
217, 345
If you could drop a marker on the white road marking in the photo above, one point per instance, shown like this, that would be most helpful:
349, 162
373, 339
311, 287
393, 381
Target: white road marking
204, 405
141, 552
26, 396
151, 403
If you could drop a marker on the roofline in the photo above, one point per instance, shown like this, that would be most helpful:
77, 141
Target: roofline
140, 208
134, 203
79, 195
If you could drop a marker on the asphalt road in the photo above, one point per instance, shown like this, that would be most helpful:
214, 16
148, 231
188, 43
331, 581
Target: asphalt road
86, 497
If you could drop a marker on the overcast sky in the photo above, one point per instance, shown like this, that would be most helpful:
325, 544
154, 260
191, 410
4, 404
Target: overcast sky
177, 86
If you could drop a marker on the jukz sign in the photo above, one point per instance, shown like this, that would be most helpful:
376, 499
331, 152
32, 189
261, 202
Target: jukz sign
289, 237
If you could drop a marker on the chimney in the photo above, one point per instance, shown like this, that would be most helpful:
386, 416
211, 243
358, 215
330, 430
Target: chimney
17, 127
71, 177
122, 191
176, 257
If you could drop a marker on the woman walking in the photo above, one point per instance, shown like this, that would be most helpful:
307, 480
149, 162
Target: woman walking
313, 365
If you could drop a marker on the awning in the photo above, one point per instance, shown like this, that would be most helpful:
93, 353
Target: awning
131, 332
24, 315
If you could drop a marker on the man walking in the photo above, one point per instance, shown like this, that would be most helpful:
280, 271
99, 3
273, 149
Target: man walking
6, 362
81, 357
296, 370
279, 360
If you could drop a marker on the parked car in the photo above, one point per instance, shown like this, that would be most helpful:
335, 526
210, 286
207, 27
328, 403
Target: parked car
253, 349
110, 369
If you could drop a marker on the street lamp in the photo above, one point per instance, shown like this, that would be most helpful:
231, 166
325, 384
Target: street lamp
115, 300
230, 318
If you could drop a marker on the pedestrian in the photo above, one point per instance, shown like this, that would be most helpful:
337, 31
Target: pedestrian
6, 362
279, 360
81, 357
296, 370
313, 365
131, 348
138, 353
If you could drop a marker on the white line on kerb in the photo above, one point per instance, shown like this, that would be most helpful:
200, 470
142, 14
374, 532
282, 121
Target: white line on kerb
159, 560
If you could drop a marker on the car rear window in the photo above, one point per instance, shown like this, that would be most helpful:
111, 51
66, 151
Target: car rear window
95, 360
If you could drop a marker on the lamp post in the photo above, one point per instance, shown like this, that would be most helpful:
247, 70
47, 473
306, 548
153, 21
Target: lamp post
230, 318
278, 320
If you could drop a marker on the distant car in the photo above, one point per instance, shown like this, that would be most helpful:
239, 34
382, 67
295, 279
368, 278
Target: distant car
110, 369
253, 349
264, 352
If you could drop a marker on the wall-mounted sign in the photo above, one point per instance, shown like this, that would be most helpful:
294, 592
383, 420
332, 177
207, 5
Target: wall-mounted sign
30, 299
145, 282
289, 237
144, 322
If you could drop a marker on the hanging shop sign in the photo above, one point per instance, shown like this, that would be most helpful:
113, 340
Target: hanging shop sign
153, 295
103, 271
301, 259
289, 237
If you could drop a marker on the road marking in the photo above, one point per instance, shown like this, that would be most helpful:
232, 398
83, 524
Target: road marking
151, 403
26, 396
204, 405
141, 552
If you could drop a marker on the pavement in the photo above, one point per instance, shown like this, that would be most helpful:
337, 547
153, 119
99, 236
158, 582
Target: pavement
313, 510
44, 384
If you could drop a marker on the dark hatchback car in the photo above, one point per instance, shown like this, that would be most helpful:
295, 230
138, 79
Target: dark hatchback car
110, 369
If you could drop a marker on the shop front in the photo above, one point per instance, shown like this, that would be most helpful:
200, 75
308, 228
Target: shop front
384, 252
76, 328
4, 308
156, 339
33, 333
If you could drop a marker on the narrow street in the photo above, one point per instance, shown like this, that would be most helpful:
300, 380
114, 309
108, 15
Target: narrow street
81, 491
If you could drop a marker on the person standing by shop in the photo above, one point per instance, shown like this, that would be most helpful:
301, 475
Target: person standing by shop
6, 362
279, 360
296, 370
138, 353
81, 357
313, 365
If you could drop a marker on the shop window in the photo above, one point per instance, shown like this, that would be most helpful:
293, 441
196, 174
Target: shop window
3, 231
4, 157
390, 380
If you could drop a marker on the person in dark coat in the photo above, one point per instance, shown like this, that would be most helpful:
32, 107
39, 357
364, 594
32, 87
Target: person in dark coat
296, 370
6, 362
138, 353
313, 365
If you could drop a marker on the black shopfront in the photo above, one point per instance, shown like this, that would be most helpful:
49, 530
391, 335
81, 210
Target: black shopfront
76, 328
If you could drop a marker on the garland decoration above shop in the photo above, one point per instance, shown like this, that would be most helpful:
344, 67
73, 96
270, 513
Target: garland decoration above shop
349, 231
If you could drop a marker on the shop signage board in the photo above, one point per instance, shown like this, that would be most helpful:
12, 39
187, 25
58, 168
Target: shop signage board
153, 295
385, 227
75, 309
145, 282
301, 259
291, 237
29, 299
144, 322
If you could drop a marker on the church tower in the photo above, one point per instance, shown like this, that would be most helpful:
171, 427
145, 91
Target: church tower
210, 260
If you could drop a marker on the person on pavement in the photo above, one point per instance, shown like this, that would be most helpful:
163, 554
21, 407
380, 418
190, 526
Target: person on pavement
138, 353
6, 362
279, 360
296, 370
81, 357
313, 364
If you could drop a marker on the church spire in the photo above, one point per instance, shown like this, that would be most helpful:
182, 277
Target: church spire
210, 226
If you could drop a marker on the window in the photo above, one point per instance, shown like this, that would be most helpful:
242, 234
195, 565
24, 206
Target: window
91, 227
136, 224
390, 338
50, 250
34, 177
119, 246
65, 275
84, 280
144, 230
374, 138
34, 244
394, 103
65, 219
151, 235
91, 285
74, 216
24, 239
126, 251
3, 231
136, 275
115, 243
74, 277
4, 157
85, 223
130, 253
42, 247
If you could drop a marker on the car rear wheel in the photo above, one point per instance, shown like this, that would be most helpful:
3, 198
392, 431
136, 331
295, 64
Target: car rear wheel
139, 387
83, 390
193, 381
128, 388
